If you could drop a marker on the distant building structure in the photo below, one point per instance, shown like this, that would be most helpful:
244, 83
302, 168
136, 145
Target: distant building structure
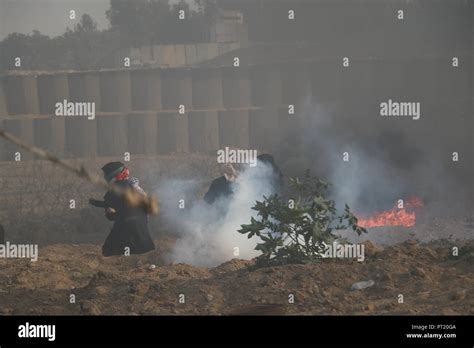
227, 33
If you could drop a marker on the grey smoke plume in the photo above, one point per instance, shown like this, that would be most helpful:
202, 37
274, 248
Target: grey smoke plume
208, 233
389, 160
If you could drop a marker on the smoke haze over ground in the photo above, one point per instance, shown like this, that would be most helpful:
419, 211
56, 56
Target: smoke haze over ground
209, 232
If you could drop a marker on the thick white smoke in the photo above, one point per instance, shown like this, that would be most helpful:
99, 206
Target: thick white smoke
209, 232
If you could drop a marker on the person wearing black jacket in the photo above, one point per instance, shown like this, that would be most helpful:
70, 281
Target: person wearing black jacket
223, 187
130, 229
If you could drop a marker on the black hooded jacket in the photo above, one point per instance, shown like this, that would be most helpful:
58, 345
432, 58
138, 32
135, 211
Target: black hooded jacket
130, 227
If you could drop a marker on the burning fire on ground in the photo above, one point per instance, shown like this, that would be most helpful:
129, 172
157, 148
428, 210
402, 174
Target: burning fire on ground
404, 216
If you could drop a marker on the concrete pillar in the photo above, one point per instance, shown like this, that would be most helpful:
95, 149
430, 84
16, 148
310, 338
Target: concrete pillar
207, 88
236, 87
22, 94
176, 88
52, 88
173, 133
206, 51
168, 56
158, 55
234, 128
3, 99
296, 86
266, 85
146, 54
115, 91
191, 54
21, 128
85, 87
81, 137
180, 55
203, 131
146, 89
264, 129
142, 129
325, 76
50, 134
4, 155
112, 137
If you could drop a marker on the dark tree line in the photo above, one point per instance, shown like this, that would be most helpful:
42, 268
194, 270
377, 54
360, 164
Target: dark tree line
132, 24
368, 25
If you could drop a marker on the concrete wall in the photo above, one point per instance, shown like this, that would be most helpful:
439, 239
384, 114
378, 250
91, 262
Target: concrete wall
49, 133
173, 135
22, 94
3, 100
207, 88
142, 133
52, 88
146, 89
81, 137
174, 56
115, 91
176, 88
234, 128
203, 131
22, 129
85, 87
137, 109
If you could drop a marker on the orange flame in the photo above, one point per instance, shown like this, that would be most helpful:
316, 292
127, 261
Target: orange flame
405, 216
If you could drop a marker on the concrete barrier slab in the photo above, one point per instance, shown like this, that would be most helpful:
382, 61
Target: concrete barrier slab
180, 55
191, 54
22, 94
142, 128
207, 88
203, 131
3, 99
234, 128
85, 87
266, 85
22, 129
173, 133
112, 137
296, 86
115, 91
176, 88
146, 89
236, 87
52, 89
264, 129
50, 134
81, 137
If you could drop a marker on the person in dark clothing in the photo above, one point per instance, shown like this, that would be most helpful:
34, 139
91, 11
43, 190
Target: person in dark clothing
222, 187
130, 229
225, 185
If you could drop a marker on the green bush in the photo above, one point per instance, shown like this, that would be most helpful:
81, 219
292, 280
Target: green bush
298, 230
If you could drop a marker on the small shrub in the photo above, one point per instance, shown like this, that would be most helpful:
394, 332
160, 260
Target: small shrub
298, 230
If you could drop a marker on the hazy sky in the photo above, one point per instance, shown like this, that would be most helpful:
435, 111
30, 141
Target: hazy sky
50, 17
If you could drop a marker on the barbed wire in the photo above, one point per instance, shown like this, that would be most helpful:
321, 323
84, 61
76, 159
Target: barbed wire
132, 197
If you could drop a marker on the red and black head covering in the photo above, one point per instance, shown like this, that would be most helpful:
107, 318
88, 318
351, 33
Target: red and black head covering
115, 170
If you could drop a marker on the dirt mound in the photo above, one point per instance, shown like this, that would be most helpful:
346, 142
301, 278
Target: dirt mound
430, 279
